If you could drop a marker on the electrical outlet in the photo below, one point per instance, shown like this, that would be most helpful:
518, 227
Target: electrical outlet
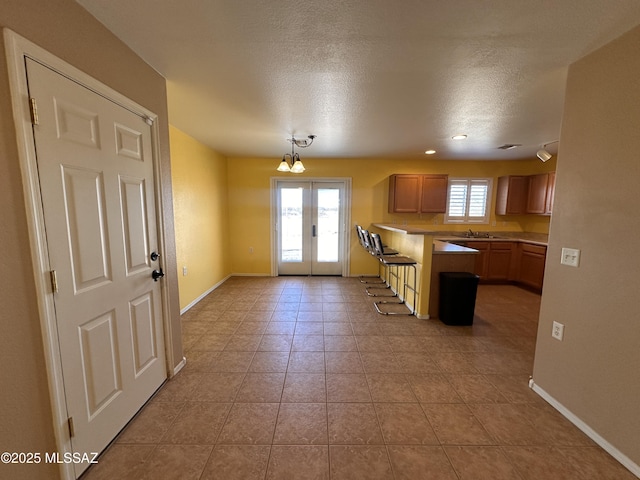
250, 250
184, 271
557, 331
570, 256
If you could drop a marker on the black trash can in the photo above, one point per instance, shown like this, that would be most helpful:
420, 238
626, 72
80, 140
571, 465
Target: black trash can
458, 297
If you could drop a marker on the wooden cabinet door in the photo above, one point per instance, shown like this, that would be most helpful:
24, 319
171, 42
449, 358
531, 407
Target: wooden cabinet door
551, 192
537, 196
532, 260
499, 266
482, 259
434, 193
512, 195
404, 193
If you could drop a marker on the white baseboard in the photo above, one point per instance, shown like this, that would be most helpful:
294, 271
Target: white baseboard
587, 430
180, 366
192, 304
249, 275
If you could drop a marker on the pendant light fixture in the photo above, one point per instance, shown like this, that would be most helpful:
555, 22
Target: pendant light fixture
291, 161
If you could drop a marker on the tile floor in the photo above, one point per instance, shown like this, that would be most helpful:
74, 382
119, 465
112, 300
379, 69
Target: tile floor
298, 378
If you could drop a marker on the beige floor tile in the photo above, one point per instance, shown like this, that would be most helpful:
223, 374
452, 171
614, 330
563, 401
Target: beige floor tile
218, 387
231, 362
415, 462
416, 363
308, 343
276, 343
343, 362
353, 423
390, 387
476, 389
455, 424
151, 423
304, 387
269, 362
250, 424
337, 328
280, 328
261, 388
481, 463
359, 462
282, 373
381, 362
347, 387
509, 424
301, 424
197, 423
405, 424
306, 362
243, 343
125, 462
176, 462
237, 462
433, 388
373, 343
297, 462
309, 328
340, 343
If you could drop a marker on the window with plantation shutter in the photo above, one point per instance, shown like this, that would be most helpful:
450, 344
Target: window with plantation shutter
468, 200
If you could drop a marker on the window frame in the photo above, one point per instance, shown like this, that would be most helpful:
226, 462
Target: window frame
466, 219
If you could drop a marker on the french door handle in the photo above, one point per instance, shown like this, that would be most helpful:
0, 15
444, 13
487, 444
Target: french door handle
313, 231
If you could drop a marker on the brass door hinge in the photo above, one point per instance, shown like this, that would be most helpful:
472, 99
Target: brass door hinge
54, 281
33, 108
72, 432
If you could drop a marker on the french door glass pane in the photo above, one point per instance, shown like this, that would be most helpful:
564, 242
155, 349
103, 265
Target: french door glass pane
291, 224
328, 224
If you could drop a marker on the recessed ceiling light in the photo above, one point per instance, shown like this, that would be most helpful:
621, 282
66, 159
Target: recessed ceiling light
430, 152
459, 137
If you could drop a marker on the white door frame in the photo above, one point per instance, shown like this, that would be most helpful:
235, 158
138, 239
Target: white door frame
17, 48
346, 244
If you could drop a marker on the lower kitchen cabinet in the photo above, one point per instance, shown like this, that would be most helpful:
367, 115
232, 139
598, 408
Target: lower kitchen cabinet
532, 260
506, 262
500, 265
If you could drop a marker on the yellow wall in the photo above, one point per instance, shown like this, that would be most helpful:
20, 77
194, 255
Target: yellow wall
249, 201
68, 31
199, 177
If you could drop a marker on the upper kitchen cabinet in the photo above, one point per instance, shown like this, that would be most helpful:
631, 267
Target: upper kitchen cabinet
416, 193
541, 191
523, 194
512, 193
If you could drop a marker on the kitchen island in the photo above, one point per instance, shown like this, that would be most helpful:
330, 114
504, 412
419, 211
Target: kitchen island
437, 251
433, 256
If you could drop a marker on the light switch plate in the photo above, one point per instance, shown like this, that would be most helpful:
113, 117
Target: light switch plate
570, 256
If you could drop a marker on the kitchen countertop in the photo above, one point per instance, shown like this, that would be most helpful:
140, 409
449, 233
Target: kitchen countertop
444, 236
443, 247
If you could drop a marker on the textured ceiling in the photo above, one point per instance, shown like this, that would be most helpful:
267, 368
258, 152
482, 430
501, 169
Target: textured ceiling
370, 78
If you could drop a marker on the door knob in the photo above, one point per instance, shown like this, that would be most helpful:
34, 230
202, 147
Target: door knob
157, 274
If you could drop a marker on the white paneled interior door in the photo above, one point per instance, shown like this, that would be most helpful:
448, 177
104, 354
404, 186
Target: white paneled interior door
95, 164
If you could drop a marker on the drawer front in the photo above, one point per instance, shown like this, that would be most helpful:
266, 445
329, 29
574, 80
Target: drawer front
501, 245
535, 249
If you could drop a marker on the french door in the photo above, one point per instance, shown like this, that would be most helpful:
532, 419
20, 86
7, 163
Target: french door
310, 225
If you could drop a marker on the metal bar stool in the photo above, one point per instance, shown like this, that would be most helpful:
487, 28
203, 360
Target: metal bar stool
393, 263
365, 241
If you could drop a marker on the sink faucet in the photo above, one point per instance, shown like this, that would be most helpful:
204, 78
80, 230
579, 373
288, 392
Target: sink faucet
470, 233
